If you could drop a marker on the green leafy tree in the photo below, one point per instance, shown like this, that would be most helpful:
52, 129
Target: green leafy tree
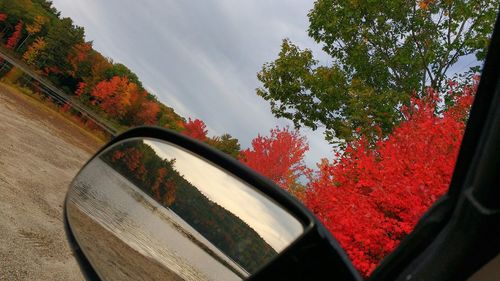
227, 144
121, 70
168, 118
61, 37
381, 53
33, 13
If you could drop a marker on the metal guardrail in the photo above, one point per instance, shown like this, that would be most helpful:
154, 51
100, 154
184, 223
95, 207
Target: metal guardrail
59, 95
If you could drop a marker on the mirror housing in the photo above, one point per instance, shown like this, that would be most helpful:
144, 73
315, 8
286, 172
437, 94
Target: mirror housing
310, 254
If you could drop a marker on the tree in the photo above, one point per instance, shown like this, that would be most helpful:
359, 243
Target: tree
147, 113
159, 179
118, 69
55, 47
381, 52
227, 144
14, 38
78, 59
37, 25
124, 101
195, 129
33, 28
279, 157
168, 118
62, 35
81, 89
198, 130
371, 197
169, 197
114, 96
34, 50
99, 66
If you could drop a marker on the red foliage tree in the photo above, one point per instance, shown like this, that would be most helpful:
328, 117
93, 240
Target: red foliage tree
133, 159
78, 55
160, 175
14, 38
195, 129
118, 155
169, 197
65, 107
81, 89
280, 157
372, 197
149, 113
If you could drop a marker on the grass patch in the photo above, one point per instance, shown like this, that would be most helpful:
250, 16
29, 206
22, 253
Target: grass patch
65, 111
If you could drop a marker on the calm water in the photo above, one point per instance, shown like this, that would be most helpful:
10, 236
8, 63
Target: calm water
150, 229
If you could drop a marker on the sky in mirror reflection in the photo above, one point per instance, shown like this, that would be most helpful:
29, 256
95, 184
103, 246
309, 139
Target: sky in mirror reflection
276, 226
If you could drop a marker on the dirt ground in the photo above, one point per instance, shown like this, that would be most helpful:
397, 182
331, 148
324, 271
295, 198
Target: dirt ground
40, 153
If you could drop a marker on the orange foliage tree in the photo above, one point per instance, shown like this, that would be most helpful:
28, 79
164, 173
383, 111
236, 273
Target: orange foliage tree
113, 96
34, 50
119, 98
148, 113
142, 110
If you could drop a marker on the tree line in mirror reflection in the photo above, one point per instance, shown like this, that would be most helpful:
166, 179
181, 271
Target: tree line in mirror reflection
157, 177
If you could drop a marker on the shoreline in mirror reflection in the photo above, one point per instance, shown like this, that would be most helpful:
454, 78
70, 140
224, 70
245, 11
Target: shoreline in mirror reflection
197, 221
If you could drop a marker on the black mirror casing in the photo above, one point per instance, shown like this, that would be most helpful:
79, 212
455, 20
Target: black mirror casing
314, 255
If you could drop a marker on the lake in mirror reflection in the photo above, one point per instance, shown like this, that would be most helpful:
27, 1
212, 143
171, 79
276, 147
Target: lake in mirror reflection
158, 227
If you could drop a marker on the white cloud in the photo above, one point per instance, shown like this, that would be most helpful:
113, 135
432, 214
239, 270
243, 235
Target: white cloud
201, 57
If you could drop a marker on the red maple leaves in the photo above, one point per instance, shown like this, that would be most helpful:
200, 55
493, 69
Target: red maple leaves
279, 157
195, 129
14, 38
371, 197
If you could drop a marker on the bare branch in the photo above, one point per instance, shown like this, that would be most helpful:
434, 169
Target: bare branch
419, 48
441, 73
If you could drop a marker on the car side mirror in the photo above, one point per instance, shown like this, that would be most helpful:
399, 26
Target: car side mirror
156, 205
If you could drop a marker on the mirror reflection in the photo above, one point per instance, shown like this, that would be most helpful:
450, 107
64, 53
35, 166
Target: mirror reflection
147, 209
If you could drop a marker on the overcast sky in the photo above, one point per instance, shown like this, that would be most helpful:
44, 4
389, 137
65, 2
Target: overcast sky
201, 57
275, 225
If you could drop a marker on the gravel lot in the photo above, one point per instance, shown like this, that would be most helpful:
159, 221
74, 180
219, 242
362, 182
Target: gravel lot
40, 152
